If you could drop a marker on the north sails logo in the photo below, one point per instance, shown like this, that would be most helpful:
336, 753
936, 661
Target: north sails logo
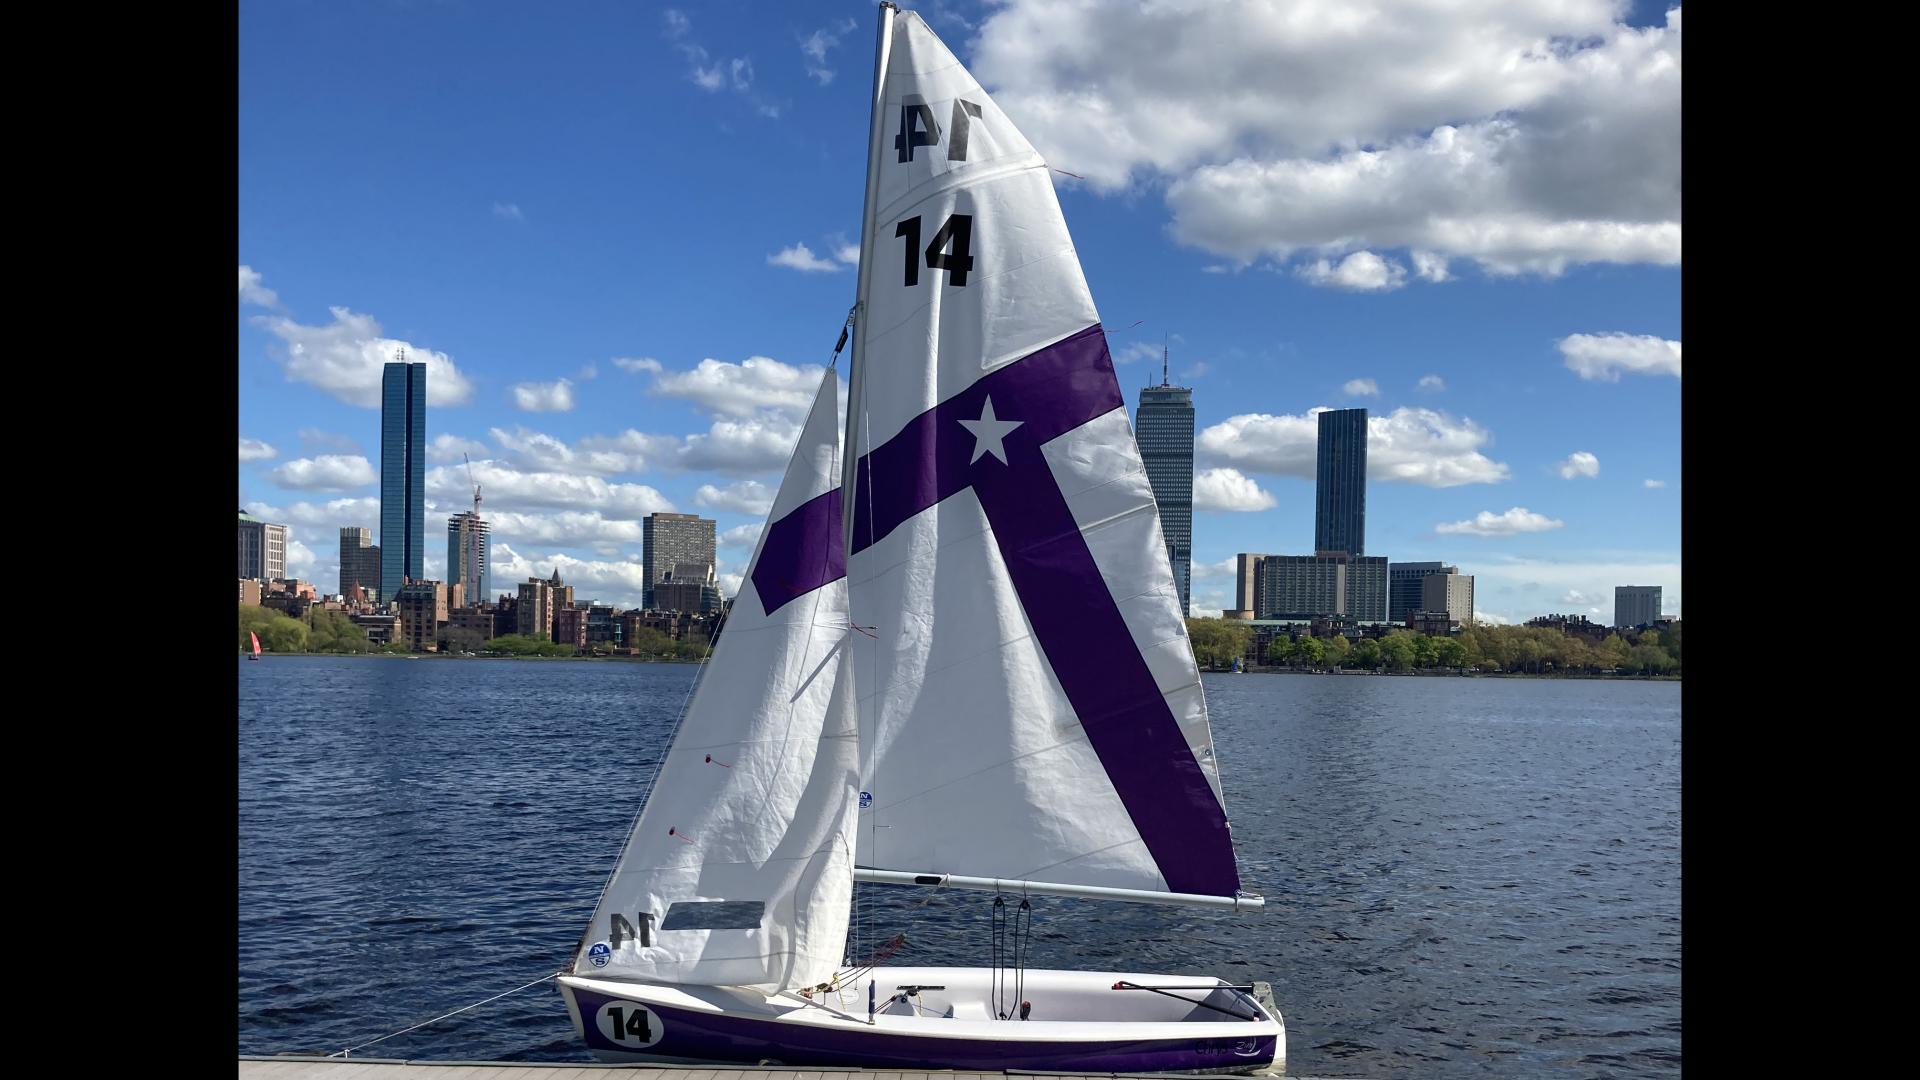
599, 954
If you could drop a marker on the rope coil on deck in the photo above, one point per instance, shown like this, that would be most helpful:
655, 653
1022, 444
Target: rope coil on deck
348, 1051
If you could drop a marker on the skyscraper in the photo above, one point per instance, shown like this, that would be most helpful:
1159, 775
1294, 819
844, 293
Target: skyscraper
263, 549
359, 559
1340, 495
1163, 430
1635, 605
403, 475
467, 555
1405, 580
669, 539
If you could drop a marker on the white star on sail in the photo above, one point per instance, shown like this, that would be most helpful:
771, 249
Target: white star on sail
988, 431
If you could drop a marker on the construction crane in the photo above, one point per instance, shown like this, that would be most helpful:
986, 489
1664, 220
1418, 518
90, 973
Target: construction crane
473, 534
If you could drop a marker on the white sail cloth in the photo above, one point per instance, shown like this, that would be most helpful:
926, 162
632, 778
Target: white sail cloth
1028, 702
739, 871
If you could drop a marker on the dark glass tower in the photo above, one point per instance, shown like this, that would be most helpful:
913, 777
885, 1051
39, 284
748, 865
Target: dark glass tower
1163, 429
403, 475
1340, 496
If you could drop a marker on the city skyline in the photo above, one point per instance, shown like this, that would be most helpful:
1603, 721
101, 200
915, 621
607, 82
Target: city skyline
557, 267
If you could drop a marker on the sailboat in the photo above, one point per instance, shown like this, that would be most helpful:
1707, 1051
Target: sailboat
971, 673
255, 638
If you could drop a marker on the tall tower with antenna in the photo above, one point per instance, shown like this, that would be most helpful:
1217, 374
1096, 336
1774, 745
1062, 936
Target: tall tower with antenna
467, 547
1163, 430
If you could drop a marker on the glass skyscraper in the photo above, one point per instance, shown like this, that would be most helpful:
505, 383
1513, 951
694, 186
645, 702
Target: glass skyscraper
1163, 429
403, 475
1340, 493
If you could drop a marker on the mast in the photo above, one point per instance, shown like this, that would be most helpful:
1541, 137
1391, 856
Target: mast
876, 122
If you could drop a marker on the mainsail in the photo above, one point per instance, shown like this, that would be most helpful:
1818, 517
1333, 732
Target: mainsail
1029, 707
739, 871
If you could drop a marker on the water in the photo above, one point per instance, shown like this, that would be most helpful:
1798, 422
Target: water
1464, 877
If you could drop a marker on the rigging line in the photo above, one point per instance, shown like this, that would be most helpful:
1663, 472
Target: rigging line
349, 1050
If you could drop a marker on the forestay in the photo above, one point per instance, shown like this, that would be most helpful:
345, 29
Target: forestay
739, 871
1028, 702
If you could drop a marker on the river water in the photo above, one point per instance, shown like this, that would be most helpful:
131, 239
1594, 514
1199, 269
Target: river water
1464, 877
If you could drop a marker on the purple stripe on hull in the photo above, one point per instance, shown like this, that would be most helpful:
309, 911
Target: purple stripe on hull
720, 1038
1074, 617
802, 552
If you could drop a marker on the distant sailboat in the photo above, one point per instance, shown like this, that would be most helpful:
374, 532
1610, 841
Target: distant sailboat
255, 638
973, 674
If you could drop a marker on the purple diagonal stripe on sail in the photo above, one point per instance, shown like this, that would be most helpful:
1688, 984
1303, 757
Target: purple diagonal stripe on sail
1059, 387
802, 552
1066, 601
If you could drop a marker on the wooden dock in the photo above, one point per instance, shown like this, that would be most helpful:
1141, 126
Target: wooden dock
319, 1068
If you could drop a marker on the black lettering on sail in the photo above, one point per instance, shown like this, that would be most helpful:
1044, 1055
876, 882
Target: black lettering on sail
915, 114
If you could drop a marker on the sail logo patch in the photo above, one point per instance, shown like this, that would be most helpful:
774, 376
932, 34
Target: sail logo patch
599, 954
866, 800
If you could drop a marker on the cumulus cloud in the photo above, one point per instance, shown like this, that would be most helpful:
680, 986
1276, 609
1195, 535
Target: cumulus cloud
741, 536
347, 357
1512, 523
331, 515
508, 212
636, 365
1523, 138
756, 383
327, 472
1430, 267
815, 45
1228, 489
801, 257
253, 292
1362, 271
513, 489
1653, 483
1361, 388
446, 448
567, 528
1603, 357
744, 497
618, 582
544, 397
758, 444
1413, 446
1579, 463
254, 450
1433, 383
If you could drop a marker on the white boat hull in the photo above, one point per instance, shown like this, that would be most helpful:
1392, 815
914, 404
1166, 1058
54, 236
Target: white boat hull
1078, 1022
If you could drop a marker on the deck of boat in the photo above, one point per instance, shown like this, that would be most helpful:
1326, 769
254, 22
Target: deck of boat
317, 1068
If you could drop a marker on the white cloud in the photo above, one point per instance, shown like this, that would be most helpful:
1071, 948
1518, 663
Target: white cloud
568, 528
705, 72
511, 489
1603, 357
508, 212
1653, 483
319, 439
1490, 619
744, 496
538, 450
801, 257
742, 389
255, 450
327, 472
1579, 463
1362, 271
1432, 382
332, 515
847, 253
1430, 267
1414, 446
1361, 388
814, 47
1228, 489
253, 292
729, 583
446, 448
618, 582
1525, 137
1139, 350
634, 366
1513, 522
300, 559
742, 536
347, 357
1577, 598
1593, 582
742, 447
544, 397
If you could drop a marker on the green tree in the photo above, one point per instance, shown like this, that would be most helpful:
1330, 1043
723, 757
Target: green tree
1449, 653
1310, 652
1396, 652
1650, 660
1367, 654
1613, 653
1217, 641
277, 632
1282, 651
1426, 650
1339, 650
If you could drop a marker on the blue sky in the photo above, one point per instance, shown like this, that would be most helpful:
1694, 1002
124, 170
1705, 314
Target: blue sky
617, 232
